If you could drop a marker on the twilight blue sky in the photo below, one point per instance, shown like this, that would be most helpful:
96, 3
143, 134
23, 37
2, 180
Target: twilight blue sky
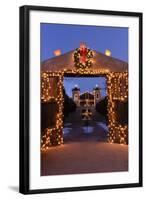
68, 37
70, 82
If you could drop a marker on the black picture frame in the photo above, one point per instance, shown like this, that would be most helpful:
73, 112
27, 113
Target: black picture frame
25, 104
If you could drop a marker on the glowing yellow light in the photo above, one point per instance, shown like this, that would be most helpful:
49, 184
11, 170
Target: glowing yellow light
108, 52
57, 52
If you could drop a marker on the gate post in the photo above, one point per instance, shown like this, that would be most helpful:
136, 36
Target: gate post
52, 116
117, 87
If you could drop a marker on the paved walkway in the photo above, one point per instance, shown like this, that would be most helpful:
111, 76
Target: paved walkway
85, 150
75, 129
85, 157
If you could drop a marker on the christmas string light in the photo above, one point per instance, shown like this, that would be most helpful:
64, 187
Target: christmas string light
117, 89
52, 136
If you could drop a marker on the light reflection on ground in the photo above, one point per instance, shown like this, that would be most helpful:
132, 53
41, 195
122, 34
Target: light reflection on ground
68, 127
87, 129
68, 124
103, 125
66, 131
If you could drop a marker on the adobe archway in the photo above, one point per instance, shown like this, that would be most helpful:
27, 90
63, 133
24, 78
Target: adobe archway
52, 74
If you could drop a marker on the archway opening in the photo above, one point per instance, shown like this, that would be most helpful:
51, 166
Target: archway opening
76, 157
85, 108
53, 97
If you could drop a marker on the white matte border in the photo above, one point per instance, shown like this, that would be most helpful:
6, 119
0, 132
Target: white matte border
45, 182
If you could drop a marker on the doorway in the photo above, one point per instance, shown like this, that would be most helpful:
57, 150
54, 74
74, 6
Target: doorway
85, 109
53, 93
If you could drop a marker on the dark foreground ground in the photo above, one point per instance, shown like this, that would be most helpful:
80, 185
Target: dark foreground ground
85, 150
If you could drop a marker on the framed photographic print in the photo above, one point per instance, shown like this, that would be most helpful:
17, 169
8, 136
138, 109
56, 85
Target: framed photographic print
80, 99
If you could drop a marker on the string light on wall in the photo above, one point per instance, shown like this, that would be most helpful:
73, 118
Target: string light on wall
117, 88
53, 136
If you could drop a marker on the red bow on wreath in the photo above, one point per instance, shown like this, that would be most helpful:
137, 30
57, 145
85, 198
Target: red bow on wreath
83, 53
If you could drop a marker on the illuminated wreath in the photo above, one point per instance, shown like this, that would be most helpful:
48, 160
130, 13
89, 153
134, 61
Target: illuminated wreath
82, 57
